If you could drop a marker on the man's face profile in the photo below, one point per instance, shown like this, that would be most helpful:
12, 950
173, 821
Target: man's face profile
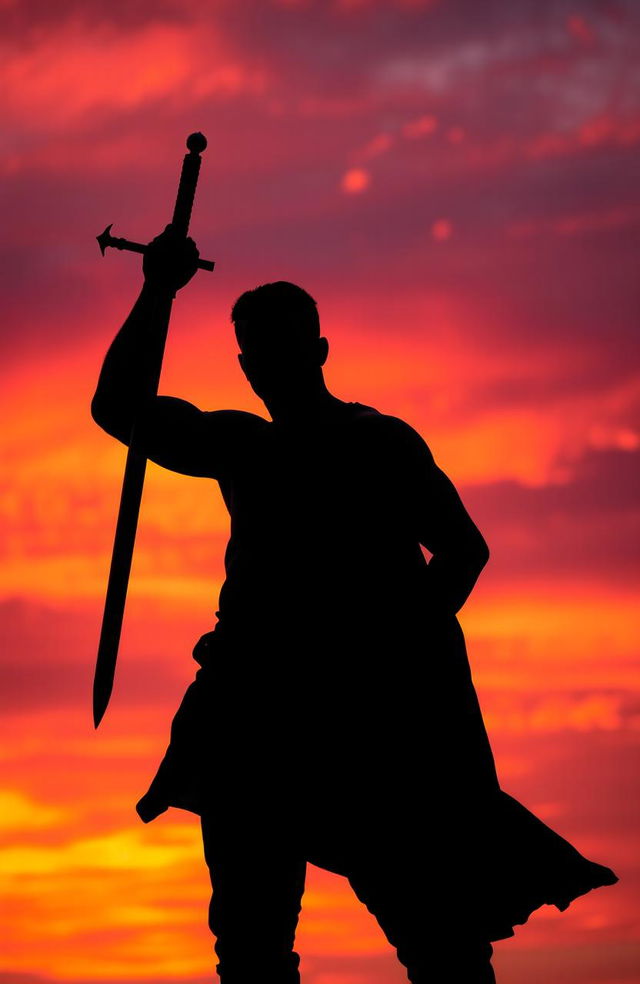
278, 359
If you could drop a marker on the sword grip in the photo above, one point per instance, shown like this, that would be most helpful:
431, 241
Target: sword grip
196, 143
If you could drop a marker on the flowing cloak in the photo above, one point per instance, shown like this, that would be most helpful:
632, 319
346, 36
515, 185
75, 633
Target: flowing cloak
334, 707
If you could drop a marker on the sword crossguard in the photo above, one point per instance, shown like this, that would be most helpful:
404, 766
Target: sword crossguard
105, 239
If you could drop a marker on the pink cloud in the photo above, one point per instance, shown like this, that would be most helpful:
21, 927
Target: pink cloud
63, 77
420, 127
580, 29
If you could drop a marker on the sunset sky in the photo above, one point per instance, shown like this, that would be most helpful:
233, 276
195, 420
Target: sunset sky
456, 183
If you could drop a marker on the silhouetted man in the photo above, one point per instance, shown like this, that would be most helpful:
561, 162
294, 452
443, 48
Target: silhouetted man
334, 717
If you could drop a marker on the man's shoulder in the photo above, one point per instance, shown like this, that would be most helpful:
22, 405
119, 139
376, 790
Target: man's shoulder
391, 435
386, 424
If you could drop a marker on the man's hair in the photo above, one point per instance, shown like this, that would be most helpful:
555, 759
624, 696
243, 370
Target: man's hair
278, 305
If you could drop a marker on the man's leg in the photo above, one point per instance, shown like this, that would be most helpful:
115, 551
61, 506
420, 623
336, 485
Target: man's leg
257, 895
430, 939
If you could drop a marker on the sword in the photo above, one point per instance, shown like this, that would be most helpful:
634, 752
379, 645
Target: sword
136, 463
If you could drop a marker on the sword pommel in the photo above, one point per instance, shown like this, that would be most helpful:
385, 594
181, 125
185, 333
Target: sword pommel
196, 143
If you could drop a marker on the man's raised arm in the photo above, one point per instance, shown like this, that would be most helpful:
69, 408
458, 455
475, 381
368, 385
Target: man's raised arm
167, 430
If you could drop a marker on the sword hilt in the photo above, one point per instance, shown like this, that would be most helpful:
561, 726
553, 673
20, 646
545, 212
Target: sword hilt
196, 143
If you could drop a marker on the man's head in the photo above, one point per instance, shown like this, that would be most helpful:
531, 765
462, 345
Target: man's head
278, 331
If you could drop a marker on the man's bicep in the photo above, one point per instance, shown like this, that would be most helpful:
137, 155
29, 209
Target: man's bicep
177, 435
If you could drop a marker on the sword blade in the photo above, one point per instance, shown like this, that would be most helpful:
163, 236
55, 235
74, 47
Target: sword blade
126, 527
123, 544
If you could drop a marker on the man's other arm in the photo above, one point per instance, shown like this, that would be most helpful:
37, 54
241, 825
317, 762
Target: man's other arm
444, 527
459, 549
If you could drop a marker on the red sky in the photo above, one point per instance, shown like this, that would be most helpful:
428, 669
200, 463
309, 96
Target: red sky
456, 184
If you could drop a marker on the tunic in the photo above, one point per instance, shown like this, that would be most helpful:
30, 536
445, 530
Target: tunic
334, 704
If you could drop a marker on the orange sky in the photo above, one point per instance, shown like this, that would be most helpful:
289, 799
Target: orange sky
456, 185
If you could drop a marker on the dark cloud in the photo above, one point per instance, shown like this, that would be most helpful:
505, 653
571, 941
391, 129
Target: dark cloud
48, 658
27, 20
585, 528
592, 779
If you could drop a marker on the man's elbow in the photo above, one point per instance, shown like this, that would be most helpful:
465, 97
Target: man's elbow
481, 551
476, 553
105, 419
100, 413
